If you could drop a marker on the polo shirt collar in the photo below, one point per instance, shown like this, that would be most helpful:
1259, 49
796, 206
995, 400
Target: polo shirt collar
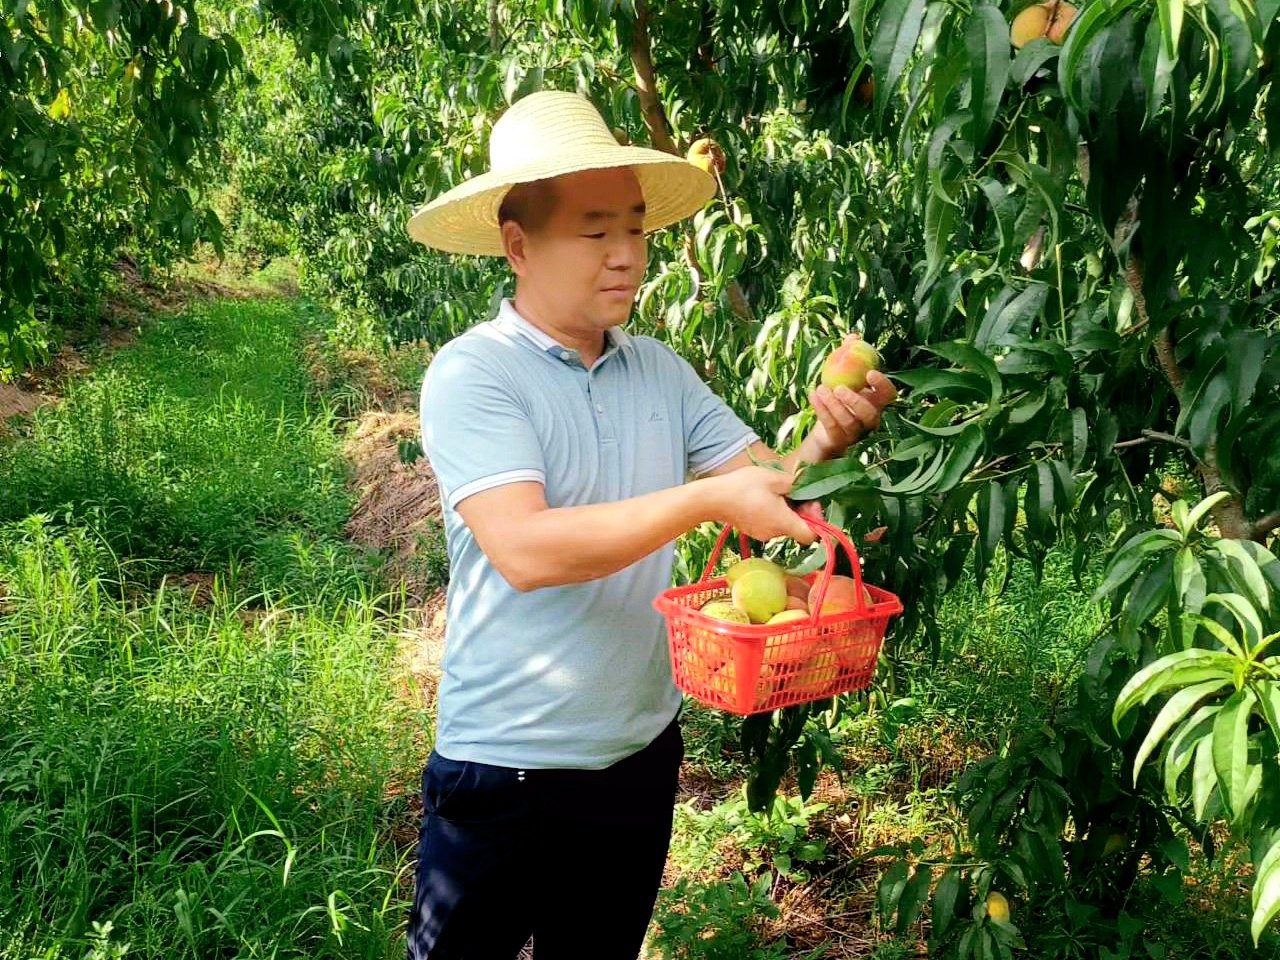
510, 321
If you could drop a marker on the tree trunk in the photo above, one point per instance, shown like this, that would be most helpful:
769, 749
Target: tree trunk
655, 120
655, 117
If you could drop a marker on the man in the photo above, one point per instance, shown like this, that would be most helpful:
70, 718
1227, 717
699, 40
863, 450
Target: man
563, 447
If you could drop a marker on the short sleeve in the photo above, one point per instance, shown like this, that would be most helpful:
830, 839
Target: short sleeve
713, 433
476, 433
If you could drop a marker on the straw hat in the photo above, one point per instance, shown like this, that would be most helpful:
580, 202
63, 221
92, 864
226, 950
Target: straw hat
549, 134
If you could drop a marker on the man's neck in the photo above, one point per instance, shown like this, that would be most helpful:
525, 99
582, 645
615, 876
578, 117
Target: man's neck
589, 346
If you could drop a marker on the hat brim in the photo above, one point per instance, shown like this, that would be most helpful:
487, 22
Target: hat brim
465, 219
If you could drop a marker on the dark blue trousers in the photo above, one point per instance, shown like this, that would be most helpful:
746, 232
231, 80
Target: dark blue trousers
572, 857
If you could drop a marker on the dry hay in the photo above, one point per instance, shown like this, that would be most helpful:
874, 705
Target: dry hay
421, 654
398, 503
398, 510
18, 401
39, 386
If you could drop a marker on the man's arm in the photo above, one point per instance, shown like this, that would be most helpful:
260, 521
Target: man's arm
533, 545
844, 418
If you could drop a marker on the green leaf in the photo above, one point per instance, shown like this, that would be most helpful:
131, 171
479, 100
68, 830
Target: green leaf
991, 519
920, 479
1064, 486
942, 138
1126, 561
1203, 391
914, 898
959, 352
1040, 185
1202, 427
1179, 705
1269, 699
1221, 633
822, 479
1246, 355
1245, 615
987, 38
1266, 893
1245, 573
1231, 751
1203, 778
945, 897
892, 885
1150, 592
1003, 207
950, 384
1189, 580
1156, 67
939, 221
1079, 438
964, 453
1183, 745
858, 24
1030, 59
1088, 24
1171, 25
1180, 669
1202, 508
1044, 497
894, 41
1013, 319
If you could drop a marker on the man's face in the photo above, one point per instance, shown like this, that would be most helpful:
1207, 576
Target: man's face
588, 260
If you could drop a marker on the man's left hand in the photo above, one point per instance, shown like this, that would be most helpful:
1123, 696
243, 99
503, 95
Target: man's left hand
845, 416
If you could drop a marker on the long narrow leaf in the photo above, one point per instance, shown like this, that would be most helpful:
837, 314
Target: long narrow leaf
1183, 747
1177, 669
1203, 778
897, 30
1266, 894
1231, 751
1179, 705
987, 38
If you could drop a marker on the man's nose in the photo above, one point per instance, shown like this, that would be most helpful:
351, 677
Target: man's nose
621, 255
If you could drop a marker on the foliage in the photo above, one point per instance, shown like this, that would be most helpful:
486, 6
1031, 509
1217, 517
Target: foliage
187, 782
720, 921
108, 119
199, 445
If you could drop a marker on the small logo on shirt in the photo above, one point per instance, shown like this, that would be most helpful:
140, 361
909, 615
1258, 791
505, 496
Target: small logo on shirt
656, 417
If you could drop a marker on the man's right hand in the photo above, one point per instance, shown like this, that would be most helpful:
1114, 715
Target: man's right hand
753, 501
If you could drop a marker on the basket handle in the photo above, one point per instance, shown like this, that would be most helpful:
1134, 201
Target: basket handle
830, 535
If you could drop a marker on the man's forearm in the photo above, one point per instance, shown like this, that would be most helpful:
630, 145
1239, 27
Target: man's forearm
563, 545
809, 451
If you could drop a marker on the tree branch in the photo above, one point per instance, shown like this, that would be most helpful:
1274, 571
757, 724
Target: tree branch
495, 34
1229, 514
1265, 526
1149, 435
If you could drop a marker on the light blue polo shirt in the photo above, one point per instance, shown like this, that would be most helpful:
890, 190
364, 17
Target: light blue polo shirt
575, 676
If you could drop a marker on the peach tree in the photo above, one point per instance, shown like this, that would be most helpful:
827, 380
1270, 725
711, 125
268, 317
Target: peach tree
1093, 306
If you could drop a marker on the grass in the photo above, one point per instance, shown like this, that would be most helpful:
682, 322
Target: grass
220, 774
210, 781
201, 447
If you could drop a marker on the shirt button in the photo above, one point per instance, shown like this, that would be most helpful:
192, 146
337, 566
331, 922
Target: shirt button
564, 354
599, 409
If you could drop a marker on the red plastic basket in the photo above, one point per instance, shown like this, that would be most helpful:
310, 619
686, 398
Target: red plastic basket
755, 668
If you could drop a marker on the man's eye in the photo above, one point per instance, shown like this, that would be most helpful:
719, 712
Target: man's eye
594, 236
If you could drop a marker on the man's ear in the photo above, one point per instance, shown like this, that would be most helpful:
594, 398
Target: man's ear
515, 243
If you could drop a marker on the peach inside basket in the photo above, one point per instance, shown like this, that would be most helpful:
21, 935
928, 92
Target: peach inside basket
754, 668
